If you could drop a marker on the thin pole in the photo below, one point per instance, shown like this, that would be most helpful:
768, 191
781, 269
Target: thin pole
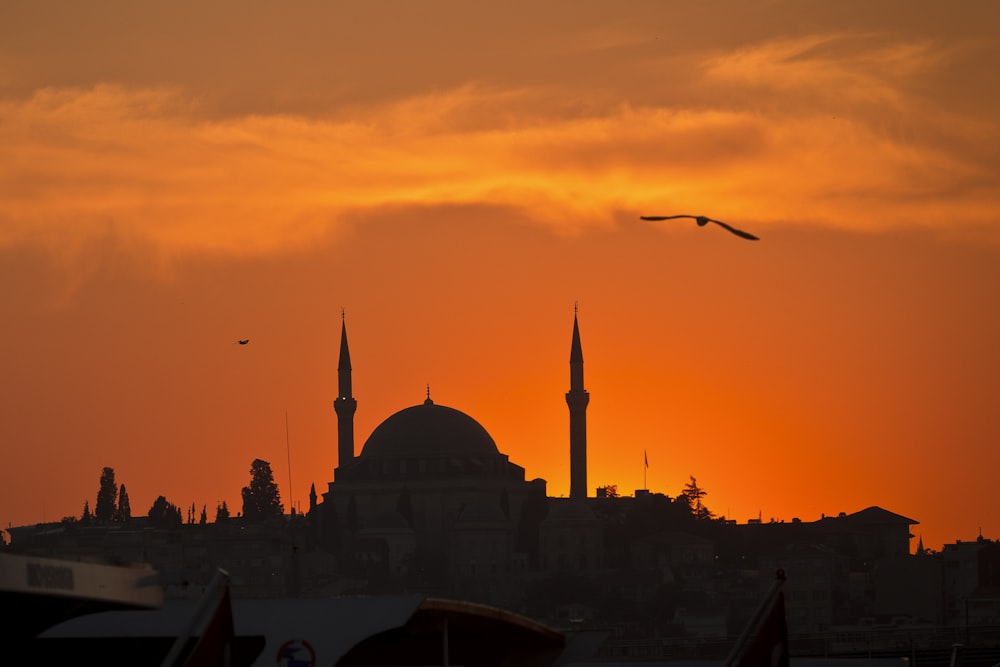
956, 651
444, 640
288, 448
645, 468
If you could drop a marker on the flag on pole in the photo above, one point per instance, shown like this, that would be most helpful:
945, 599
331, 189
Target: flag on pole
215, 646
212, 624
646, 458
764, 642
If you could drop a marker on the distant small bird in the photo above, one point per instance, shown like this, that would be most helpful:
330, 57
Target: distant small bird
244, 341
702, 221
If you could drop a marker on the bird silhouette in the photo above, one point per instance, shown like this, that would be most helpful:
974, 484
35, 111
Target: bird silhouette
244, 341
702, 221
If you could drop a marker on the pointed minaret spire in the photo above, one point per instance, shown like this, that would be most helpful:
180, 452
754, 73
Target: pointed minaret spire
577, 399
345, 405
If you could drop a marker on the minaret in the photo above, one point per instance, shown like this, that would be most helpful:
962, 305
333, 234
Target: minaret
345, 405
577, 399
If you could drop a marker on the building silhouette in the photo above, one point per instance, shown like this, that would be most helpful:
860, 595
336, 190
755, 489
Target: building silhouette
577, 399
429, 497
431, 504
345, 405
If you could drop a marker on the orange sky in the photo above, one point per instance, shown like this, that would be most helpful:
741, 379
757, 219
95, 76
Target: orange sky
174, 177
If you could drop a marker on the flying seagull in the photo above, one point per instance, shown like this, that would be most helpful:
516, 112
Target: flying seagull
702, 221
244, 341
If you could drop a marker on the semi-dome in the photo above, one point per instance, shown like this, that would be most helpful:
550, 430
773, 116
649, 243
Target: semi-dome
429, 430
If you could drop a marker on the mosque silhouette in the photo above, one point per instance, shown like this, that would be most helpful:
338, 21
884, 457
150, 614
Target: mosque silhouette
430, 491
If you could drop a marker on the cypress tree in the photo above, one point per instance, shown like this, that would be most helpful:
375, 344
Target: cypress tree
104, 510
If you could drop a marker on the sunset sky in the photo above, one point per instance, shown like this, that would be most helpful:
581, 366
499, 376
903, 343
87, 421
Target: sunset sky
457, 176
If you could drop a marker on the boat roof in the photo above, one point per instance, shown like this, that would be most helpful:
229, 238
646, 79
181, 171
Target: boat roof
374, 630
47, 591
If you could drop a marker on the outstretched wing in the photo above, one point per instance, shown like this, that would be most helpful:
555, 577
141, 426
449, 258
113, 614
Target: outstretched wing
657, 218
738, 232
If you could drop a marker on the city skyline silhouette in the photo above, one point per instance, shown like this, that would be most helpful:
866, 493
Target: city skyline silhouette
456, 178
349, 452
431, 506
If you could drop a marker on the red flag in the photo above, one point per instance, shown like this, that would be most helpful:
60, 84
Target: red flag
215, 646
214, 617
646, 458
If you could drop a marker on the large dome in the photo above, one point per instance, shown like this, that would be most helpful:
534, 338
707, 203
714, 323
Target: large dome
429, 430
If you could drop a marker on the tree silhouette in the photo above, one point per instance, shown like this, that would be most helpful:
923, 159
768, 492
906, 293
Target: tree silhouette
124, 511
261, 499
203, 519
164, 514
221, 512
104, 510
87, 517
693, 494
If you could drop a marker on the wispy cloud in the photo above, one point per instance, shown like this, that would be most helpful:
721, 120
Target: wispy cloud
144, 159
850, 72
